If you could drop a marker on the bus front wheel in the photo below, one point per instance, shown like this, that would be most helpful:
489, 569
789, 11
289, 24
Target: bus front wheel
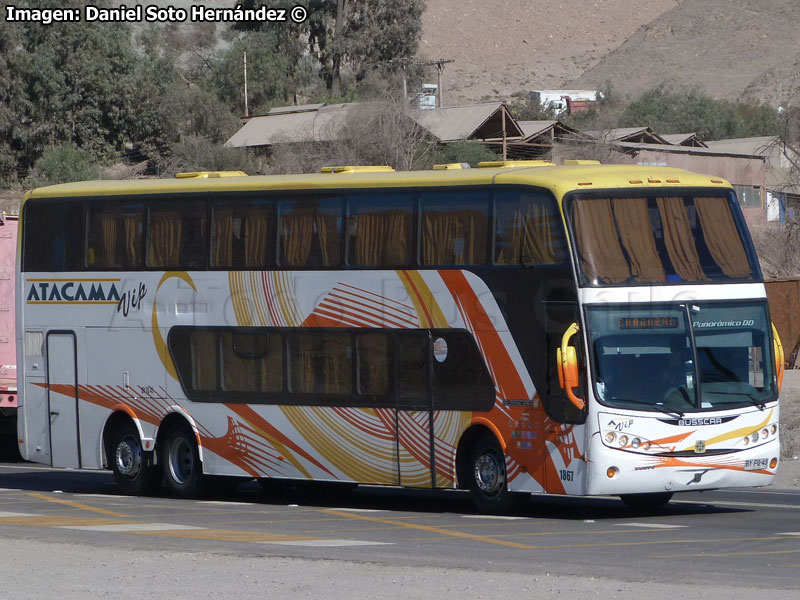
133, 468
487, 480
180, 462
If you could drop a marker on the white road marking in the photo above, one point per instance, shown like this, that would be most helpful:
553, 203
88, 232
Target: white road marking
789, 533
123, 527
228, 503
651, 525
358, 510
497, 517
99, 496
728, 503
328, 543
13, 515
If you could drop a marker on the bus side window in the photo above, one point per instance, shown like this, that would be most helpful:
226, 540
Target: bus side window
528, 229
176, 234
310, 232
53, 236
461, 380
413, 360
380, 230
243, 234
114, 237
454, 228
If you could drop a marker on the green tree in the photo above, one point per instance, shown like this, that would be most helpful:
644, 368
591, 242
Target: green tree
63, 163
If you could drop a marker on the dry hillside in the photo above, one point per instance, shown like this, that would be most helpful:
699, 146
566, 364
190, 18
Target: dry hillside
727, 48
505, 46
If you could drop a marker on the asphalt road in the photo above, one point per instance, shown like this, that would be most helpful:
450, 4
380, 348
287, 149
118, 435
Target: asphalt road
738, 540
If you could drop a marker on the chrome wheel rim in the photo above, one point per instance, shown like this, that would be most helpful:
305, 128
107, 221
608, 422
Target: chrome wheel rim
489, 473
128, 456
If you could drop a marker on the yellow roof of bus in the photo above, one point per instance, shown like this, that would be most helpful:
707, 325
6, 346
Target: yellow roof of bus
559, 179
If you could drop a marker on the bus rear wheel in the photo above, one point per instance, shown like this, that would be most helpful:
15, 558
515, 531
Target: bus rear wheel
180, 462
133, 468
652, 501
487, 480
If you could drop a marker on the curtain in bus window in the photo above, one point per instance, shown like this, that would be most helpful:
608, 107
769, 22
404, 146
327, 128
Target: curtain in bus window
454, 235
165, 238
679, 239
374, 363
109, 227
382, 238
632, 217
329, 236
222, 244
132, 224
722, 237
297, 230
257, 229
598, 246
252, 362
301, 363
337, 368
527, 231
204, 360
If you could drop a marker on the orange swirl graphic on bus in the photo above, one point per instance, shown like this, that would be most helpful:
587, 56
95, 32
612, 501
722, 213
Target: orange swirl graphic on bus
158, 339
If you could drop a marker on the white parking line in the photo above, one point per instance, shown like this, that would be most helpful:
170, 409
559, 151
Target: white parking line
789, 533
123, 527
13, 515
498, 517
651, 525
328, 543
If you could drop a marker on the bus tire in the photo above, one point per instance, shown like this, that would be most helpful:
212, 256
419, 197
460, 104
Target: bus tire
653, 501
180, 462
133, 468
487, 477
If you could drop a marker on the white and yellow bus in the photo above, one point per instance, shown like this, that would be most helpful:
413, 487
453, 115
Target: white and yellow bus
522, 328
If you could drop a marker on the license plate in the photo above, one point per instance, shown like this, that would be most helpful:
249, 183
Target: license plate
756, 464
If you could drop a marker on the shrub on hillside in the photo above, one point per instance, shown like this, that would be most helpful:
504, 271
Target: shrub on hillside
61, 164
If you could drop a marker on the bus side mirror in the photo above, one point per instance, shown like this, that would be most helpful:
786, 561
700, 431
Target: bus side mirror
779, 356
567, 363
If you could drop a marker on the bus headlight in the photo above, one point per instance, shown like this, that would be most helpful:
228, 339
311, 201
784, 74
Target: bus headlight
754, 437
773, 429
635, 443
764, 433
746, 440
623, 440
610, 437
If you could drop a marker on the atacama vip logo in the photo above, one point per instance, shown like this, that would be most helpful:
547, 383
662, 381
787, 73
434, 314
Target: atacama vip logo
73, 291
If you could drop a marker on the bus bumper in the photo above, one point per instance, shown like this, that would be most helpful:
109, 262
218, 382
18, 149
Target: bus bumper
614, 472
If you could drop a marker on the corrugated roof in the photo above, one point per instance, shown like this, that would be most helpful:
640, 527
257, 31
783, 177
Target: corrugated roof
752, 145
534, 128
321, 124
625, 134
475, 121
684, 139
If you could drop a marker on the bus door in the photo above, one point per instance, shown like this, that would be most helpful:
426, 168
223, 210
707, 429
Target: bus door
62, 396
564, 429
414, 410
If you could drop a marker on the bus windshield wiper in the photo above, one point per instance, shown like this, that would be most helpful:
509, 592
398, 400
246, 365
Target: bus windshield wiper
668, 411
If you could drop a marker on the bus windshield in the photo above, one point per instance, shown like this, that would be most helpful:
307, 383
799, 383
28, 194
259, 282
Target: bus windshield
682, 357
652, 238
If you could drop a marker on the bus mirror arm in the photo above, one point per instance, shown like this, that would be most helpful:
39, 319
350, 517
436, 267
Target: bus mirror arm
567, 360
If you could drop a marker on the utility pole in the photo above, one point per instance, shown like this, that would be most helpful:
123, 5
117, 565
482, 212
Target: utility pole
440, 63
245, 86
